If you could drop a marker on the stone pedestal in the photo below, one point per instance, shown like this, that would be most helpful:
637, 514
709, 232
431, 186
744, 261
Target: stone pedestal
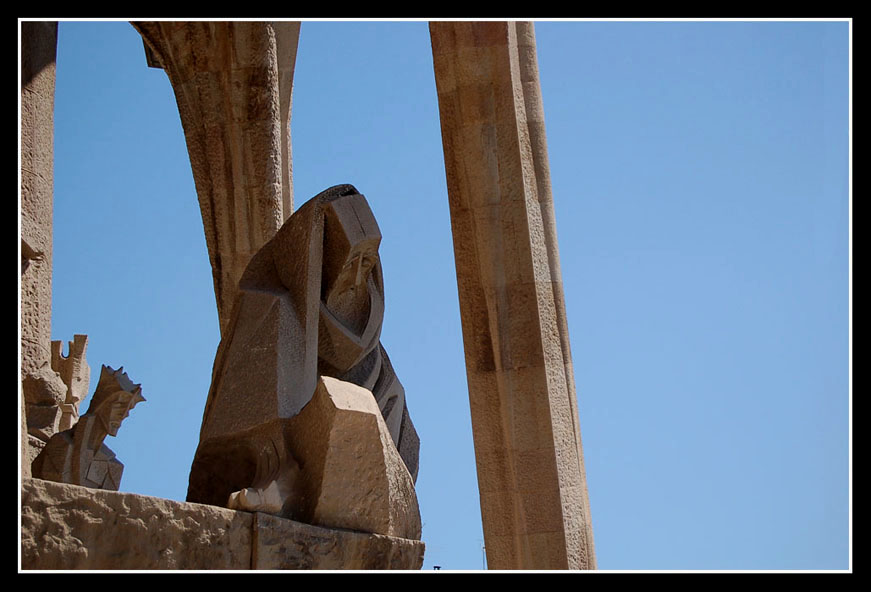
70, 527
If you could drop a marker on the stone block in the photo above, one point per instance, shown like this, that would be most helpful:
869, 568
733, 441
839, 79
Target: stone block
285, 544
353, 476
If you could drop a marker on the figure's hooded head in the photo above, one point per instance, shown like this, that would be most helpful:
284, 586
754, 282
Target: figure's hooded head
323, 262
351, 240
351, 295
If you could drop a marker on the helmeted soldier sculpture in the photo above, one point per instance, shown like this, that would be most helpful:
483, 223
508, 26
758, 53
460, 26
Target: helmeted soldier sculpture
310, 305
78, 455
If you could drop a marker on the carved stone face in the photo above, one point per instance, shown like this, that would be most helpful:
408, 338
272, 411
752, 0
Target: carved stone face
113, 413
351, 240
348, 298
352, 303
356, 270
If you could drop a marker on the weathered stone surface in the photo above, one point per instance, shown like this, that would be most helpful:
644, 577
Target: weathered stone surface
70, 527
353, 475
534, 501
310, 304
285, 544
233, 83
38, 52
35, 446
78, 455
44, 394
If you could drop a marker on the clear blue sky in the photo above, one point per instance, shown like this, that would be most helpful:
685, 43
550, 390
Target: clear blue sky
700, 176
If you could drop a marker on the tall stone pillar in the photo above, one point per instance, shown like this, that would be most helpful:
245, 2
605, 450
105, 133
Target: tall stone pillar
534, 500
38, 51
233, 83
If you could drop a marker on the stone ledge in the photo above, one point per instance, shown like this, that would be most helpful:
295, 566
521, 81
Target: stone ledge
70, 527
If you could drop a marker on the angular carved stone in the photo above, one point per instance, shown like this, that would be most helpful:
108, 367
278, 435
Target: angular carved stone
354, 476
310, 304
78, 455
76, 374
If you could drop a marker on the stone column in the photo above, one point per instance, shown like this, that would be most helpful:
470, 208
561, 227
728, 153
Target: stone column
232, 82
38, 51
534, 501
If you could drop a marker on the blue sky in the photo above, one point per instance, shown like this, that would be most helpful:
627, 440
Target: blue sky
700, 175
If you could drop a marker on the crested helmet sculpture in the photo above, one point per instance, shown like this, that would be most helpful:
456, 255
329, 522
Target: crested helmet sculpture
78, 455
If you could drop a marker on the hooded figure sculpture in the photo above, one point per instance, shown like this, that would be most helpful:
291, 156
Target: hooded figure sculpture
310, 304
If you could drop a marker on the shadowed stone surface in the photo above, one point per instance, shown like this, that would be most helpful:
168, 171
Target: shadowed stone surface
531, 479
69, 527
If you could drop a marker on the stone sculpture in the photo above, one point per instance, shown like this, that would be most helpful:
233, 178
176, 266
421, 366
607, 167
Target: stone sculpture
78, 455
309, 305
233, 84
